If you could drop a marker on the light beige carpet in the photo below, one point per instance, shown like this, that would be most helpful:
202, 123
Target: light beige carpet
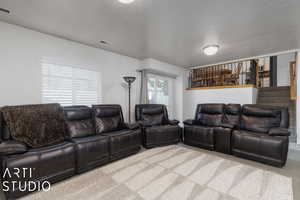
173, 172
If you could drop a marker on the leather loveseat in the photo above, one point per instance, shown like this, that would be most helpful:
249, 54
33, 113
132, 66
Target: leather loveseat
255, 132
158, 130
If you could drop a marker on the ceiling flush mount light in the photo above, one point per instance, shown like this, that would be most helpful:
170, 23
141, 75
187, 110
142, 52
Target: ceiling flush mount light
211, 50
126, 1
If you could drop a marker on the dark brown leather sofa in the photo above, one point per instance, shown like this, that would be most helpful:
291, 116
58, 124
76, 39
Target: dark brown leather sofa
158, 130
96, 136
253, 132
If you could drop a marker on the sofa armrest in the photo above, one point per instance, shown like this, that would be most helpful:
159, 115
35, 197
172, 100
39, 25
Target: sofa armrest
279, 132
173, 122
132, 126
226, 125
189, 122
10, 147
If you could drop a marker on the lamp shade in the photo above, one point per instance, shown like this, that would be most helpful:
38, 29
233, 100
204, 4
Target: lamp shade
129, 79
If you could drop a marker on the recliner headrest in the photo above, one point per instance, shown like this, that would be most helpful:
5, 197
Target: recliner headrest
106, 111
77, 113
212, 108
152, 111
259, 111
233, 109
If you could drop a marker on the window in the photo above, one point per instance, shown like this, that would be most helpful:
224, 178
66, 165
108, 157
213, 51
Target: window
69, 86
160, 91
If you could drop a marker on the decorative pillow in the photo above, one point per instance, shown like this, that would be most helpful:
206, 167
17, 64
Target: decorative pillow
107, 124
36, 125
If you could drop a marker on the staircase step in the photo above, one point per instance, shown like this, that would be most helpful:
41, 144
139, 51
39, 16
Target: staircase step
274, 88
274, 94
279, 96
284, 100
276, 104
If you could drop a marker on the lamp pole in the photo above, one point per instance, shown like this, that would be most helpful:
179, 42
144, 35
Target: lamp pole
129, 80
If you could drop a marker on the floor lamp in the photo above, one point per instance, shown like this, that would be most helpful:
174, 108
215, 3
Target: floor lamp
129, 80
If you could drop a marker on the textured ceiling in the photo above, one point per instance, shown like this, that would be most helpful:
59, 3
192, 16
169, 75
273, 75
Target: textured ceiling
173, 31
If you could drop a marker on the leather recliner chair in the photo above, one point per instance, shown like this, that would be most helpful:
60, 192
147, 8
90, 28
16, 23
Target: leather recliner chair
51, 163
124, 139
158, 130
200, 130
91, 149
263, 135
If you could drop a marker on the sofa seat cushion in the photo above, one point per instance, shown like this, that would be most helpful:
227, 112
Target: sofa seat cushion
157, 135
200, 136
259, 144
91, 152
12, 147
123, 140
52, 163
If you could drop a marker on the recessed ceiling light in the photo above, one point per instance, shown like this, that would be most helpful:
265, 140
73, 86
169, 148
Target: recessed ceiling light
210, 50
4, 10
103, 42
126, 1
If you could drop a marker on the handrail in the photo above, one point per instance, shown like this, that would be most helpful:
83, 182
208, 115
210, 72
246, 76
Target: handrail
236, 73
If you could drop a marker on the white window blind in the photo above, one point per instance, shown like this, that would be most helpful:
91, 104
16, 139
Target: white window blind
69, 86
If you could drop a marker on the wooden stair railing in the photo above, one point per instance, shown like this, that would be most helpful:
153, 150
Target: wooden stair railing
293, 80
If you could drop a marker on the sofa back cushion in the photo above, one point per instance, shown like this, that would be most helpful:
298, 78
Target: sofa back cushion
107, 118
209, 114
259, 118
153, 114
35, 125
232, 113
79, 121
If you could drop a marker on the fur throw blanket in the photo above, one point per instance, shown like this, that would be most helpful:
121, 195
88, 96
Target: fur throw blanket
35, 125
